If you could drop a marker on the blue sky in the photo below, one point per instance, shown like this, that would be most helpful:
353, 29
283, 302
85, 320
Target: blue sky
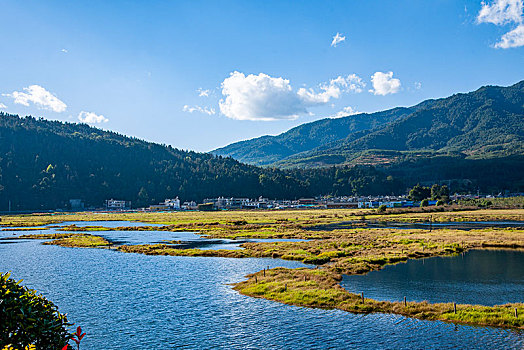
200, 74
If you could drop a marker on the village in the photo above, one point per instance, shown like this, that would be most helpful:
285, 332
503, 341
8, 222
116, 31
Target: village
320, 202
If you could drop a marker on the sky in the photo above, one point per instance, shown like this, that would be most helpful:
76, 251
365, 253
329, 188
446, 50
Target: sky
202, 74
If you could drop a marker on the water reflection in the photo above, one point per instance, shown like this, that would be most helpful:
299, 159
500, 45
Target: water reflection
486, 277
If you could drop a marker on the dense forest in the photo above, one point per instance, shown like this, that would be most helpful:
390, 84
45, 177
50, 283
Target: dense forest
44, 164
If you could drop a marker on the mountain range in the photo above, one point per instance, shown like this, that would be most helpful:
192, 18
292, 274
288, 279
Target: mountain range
484, 124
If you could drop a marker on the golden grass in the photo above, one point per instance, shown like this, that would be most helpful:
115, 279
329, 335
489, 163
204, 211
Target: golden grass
321, 289
71, 240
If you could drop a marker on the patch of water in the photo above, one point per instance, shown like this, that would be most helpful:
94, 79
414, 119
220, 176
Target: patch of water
485, 277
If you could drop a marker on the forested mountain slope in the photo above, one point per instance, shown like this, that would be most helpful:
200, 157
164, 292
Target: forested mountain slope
45, 163
486, 123
270, 149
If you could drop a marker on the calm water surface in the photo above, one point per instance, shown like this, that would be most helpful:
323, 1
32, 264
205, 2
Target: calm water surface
186, 239
486, 277
132, 301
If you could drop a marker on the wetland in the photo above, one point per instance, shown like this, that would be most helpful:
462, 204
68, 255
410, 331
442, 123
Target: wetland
288, 258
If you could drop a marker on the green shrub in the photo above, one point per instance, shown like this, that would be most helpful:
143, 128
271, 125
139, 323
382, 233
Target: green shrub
424, 203
382, 208
28, 318
440, 202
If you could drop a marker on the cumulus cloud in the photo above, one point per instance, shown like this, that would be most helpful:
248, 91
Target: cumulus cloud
418, 85
91, 118
259, 97
515, 38
206, 110
265, 98
40, 97
345, 112
2, 105
384, 83
502, 12
333, 89
203, 93
337, 39
64, 51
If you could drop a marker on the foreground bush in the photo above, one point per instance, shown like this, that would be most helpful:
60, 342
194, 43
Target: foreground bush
29, 319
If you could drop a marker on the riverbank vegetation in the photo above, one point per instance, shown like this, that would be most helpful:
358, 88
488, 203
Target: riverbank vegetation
321, 288
28, 318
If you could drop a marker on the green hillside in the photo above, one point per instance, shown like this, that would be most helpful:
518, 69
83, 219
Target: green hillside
486, 123
44, 164
266, 150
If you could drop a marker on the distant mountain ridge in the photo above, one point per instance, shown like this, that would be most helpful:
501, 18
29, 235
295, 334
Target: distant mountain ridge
485, 123
266, 150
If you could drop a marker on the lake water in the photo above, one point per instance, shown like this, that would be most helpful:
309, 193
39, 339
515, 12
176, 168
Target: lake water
133, 301
186, 239
486, 277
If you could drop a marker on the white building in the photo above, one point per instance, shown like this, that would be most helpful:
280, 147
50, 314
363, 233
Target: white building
115, 204
173, 204
189, 205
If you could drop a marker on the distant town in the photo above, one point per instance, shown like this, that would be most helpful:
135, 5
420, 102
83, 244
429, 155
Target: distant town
320, 202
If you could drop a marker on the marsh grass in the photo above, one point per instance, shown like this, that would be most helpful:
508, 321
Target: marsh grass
71, 240
321, 289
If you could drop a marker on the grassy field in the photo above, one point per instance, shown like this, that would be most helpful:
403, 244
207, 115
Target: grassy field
335, 252
302, 218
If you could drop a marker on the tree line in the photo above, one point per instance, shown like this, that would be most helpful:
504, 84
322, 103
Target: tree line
44, 164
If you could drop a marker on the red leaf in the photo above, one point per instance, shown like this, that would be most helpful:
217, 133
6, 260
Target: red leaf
65, 347
78, 331
81, 336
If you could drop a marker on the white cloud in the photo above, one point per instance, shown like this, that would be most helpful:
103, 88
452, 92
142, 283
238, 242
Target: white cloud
259, 97
337, 39
418, 85
203, 93
42, 98
515, 38
384, 83
91, 118
501, 12
2, 105
345, 112
333, 89
206, 110
265, 98
64, 51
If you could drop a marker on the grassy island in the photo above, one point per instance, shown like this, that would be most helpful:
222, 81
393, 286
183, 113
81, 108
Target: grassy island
78, 240
335, 247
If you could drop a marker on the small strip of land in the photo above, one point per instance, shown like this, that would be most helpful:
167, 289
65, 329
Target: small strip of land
70, 240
